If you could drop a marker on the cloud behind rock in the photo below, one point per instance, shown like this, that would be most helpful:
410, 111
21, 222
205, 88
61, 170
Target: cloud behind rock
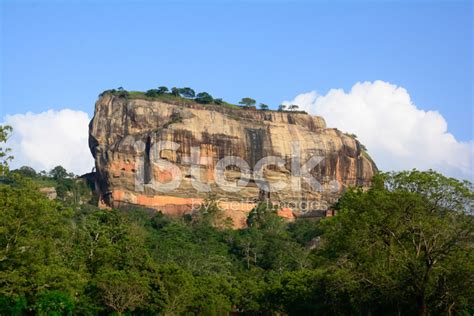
51, 138
398, 135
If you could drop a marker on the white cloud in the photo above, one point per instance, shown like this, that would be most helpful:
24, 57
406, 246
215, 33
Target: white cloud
397, 134
51, 138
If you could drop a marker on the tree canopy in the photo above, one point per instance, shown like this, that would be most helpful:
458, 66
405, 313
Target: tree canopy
5, 131
247, 102
263, 107
401, 247
187, 92
175, 91
204, 97
293, 107
405, 241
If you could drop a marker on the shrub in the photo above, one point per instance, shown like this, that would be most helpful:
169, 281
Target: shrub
247, 101
175, 91
162, 90
54, 303
187, 92
12, 306
263, 107
204, 98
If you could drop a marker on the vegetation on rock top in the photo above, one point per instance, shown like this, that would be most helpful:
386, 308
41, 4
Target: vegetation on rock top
189, 96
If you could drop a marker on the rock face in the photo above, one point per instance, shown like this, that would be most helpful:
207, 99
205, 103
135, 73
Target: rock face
50, 192
126, 138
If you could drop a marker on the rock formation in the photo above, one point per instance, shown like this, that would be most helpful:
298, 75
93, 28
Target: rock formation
124, 131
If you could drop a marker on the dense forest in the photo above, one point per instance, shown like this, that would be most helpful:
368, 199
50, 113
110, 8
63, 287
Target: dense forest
402, 247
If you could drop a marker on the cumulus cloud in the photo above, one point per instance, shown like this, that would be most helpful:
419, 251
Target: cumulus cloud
51, 138
397, 134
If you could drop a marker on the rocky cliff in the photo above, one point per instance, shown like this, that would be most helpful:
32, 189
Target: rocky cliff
125, 130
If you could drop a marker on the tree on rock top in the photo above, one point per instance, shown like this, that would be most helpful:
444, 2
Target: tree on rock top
175, 91
293, 107
247, 102
187, 92
263, 107
162, 90
204, 98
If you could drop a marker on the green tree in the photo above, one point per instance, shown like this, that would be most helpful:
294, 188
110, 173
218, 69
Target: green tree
293, 107
5, 157
152, 93
112, 240
399, 240
113, 246
264, 216
196, 247
162, 90
252, 292
248, 244
13, 306
121, 92
122, 290
263, 106
54, 303
178, 289
204, 98
59, 173
309, 292
304, 231
210, 213
213, 295
281, 107
275, 247
187, 92
26, 171
247, 102
175, 91
35, 242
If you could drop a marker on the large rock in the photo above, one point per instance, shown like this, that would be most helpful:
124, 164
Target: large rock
124, 131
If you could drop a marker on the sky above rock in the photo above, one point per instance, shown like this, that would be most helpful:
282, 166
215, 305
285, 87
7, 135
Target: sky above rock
396, 74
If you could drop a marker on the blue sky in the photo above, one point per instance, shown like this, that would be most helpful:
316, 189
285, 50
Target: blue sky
57, 55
